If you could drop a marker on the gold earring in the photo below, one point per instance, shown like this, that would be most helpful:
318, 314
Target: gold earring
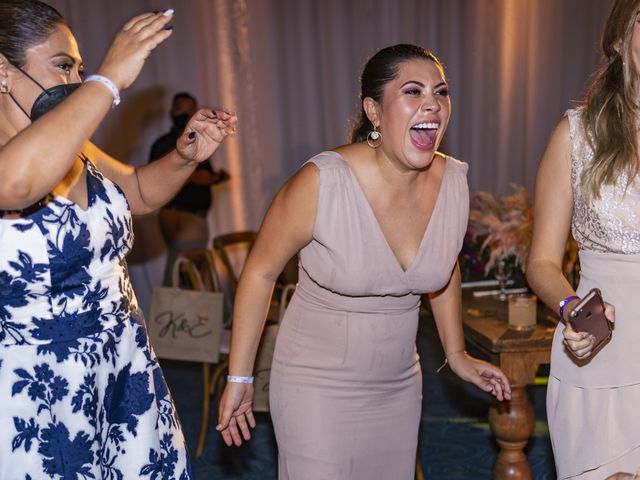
4, 86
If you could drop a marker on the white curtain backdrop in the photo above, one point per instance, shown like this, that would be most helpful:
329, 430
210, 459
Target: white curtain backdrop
290, 69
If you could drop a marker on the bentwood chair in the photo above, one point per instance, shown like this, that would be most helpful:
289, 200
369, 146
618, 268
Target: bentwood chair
195, 269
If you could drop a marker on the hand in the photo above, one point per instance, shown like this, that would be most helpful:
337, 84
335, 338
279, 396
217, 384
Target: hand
580, 344
204, 133
235, 412
132, 45
485, 376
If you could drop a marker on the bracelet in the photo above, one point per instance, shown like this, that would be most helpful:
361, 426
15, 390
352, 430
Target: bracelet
236, 379
109, 84
564, 302
446, 359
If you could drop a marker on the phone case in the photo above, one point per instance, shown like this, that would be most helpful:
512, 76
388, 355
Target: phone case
588, 316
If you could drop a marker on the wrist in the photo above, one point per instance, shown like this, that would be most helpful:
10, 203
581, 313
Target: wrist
565, 306
449, 356
239, 379
109, 84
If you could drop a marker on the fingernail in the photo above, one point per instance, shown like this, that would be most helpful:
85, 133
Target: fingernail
168, 12
191, 135
218, 427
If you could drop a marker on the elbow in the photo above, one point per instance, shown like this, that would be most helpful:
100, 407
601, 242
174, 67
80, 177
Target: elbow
15, 195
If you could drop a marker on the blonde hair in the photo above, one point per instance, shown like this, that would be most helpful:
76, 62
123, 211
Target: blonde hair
611, 106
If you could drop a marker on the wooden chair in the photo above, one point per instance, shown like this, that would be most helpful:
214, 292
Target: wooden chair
195, 269
228, 247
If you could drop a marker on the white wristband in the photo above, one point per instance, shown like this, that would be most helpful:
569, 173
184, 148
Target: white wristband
107, 83
236, 379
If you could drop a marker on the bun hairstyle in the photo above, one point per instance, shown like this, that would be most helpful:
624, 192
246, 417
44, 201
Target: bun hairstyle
24, 24
381, 69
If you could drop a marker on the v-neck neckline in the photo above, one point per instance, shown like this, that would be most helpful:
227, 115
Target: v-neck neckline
86, 170
376, 222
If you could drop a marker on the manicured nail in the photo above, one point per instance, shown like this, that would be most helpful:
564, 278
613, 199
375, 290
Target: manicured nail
168, 12
191, 135
218, 427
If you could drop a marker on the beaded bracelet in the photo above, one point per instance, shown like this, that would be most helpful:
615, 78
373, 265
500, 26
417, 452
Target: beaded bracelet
107, 83
564, 302
237, 379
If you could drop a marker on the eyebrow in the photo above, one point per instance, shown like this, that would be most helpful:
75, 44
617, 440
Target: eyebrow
422, 84
69, 56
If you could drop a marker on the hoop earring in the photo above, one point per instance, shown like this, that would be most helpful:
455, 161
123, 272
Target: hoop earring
374, 138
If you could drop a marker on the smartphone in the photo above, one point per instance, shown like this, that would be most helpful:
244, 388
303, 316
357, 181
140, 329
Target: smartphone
588, 316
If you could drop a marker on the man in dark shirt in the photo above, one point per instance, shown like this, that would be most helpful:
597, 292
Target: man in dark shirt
183, 221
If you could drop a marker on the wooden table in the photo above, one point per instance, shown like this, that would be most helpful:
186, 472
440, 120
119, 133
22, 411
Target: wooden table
518, 354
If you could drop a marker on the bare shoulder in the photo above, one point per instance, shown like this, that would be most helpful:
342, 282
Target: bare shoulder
557, 155
304, 183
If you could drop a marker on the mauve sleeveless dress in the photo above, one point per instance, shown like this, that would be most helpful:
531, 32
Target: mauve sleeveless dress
346, 388
594, 407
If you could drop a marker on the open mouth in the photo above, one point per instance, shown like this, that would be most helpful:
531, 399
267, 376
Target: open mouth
423, 135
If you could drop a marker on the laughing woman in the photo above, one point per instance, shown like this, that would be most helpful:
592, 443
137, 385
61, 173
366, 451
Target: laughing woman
81, 392
377, 223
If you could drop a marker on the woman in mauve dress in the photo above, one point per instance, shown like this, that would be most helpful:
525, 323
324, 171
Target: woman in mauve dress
377, 223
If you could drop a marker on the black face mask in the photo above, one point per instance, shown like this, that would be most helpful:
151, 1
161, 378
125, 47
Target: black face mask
180, 121
48, 99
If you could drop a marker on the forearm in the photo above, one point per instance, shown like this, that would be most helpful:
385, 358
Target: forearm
249, 313
546, 279
36, 159
159, 181
446, 306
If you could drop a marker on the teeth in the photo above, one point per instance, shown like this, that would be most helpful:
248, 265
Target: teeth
426, 126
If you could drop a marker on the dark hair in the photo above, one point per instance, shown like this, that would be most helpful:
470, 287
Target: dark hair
380, 70
180, 95
24, 24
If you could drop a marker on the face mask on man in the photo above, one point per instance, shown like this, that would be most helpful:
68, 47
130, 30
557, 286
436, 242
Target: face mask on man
48, 99
181, 120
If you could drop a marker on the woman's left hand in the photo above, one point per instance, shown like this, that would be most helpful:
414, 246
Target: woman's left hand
204, 133
485, 376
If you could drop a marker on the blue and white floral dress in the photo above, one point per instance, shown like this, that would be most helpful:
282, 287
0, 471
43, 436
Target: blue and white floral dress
81, 392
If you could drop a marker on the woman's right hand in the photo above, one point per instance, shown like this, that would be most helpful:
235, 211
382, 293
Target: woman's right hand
132, 45
235, 412
580, 344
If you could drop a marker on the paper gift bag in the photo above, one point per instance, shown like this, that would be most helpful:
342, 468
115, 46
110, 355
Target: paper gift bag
186, 324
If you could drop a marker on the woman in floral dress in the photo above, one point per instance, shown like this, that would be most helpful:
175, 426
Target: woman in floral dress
81, 391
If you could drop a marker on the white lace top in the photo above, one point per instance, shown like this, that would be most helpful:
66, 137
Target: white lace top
610, 224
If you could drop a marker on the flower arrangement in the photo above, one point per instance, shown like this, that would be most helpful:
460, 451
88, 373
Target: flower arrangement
504, 224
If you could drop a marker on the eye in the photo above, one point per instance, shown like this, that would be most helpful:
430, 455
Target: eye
443, 92
412, 91
65, 67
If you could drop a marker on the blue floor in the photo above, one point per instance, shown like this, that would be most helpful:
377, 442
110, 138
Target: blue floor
455, 441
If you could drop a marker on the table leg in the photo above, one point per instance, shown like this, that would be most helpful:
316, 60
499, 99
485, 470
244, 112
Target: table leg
512, 422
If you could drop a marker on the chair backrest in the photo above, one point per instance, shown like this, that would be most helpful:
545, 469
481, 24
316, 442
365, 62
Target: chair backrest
228, 247
195, 269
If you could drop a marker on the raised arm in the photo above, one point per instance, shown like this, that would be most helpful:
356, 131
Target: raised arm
152, 185
35, 159
287, 228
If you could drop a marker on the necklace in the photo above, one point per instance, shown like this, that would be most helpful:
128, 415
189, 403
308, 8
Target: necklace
28, 210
